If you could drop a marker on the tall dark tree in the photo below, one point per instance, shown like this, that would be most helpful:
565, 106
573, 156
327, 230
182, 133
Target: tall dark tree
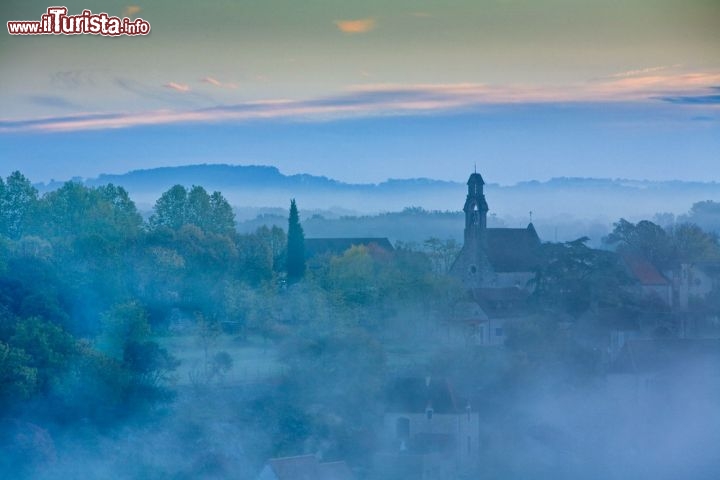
295, 246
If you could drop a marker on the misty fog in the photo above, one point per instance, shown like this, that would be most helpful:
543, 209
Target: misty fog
192, 342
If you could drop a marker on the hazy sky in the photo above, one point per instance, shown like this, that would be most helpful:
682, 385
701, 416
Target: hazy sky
363, 91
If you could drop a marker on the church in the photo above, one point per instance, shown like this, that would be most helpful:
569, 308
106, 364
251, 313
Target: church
495, 267
493, 257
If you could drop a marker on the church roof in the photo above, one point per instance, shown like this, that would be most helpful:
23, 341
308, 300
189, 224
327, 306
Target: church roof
337, 246
513, 249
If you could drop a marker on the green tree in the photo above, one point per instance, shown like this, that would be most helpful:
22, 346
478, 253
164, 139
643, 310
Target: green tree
692, 244
49, 348
644, 239
121, 210
706, 214
573, 278
75, 211
18, 200
222, 217
276, 240
442, 254
295, 266
18, 378
124, 323
197, 210
353, 277
170, 210
255, 258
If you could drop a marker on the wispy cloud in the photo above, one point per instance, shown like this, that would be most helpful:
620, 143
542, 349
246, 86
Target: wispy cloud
372, 99
179, 87
72, 79
362, 25
643, 71
131, 10
694, 99
217, 83
655, 85
53, 101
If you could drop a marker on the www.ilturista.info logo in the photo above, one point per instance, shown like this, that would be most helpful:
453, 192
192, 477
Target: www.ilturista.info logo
57, 22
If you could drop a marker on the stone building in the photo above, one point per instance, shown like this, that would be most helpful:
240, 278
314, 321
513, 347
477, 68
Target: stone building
493, 258
428, 433
495, 266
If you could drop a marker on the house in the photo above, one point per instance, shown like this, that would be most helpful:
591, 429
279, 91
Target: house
649, 282
428, 432
694, 281
304, 467
482, 319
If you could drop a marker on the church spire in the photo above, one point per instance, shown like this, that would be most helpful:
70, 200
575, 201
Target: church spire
475, 209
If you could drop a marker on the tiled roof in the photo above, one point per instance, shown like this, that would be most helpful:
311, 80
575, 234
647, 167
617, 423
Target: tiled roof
644, 271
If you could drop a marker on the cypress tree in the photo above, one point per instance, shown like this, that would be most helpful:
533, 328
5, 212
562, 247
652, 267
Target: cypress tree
295, 246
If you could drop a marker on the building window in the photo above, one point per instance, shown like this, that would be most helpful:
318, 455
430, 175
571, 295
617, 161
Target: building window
499, 332
469, 444
429, 413
402, 427
473, 269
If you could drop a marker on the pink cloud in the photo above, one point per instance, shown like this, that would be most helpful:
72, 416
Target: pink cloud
217, 83
643, 71
179, 87
362, 25
388, 98
131, 10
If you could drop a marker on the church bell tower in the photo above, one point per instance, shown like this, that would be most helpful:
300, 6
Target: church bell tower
475, 209
472, 266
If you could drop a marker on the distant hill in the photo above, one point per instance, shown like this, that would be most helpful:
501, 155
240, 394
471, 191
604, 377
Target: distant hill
589, 200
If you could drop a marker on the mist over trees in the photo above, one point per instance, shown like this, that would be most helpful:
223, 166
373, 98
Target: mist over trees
219, 350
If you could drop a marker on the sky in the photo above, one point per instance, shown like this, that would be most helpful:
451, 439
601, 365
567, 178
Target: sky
365, 91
